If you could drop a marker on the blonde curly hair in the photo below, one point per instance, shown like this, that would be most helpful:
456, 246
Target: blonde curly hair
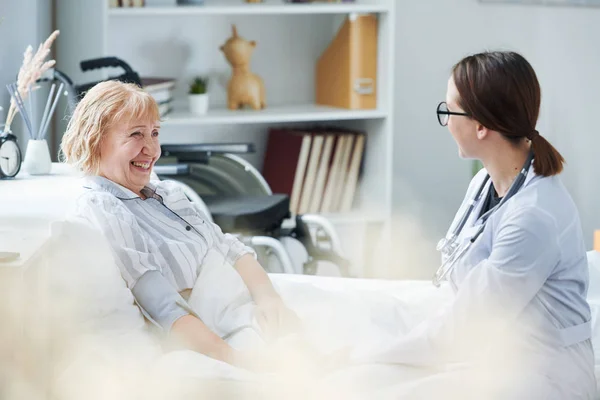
103, 106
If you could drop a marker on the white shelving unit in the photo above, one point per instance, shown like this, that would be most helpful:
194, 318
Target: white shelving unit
271, 115
184, 41
269, 7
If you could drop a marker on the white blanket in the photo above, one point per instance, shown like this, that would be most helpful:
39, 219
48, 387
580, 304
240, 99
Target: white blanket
337, 314
103, 349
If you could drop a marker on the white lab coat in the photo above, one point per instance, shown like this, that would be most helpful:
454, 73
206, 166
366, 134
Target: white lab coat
518, 325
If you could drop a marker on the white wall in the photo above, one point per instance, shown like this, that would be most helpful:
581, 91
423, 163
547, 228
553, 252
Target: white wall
429, 178
22, 23
569, 65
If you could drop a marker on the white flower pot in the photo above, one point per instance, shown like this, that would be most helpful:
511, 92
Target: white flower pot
37, 158
198, 103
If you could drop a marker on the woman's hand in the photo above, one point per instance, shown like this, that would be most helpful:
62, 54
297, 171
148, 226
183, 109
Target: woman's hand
273, 316
276, 319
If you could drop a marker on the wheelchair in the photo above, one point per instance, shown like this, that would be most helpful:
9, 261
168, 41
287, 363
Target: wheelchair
238, 199
234, 195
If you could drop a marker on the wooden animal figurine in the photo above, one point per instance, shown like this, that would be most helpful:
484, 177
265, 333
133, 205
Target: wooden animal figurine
244, 88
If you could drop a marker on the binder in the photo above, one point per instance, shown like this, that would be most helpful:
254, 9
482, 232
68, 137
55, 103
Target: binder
333, 178
311, 174
352, 178
346, 72
285, 163
342, 174
324, 164
318, 168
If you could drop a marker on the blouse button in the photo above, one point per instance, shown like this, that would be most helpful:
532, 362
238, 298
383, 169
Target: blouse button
188, 228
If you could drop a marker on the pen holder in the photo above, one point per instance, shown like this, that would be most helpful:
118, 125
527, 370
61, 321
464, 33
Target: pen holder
37, 158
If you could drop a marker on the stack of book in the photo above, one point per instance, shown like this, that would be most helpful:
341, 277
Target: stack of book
319, 168
126, 3
162, 91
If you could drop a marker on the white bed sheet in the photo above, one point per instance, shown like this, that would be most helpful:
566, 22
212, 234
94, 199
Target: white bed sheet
337, 313
117, 357
340, 312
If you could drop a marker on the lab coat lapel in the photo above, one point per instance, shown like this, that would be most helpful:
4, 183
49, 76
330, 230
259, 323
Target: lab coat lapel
530, 175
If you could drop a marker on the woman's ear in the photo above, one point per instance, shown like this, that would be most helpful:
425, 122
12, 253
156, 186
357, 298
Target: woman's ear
482, 131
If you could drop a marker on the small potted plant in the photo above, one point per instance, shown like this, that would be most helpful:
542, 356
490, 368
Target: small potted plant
198, 95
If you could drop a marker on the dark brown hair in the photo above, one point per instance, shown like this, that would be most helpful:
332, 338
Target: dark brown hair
500, 90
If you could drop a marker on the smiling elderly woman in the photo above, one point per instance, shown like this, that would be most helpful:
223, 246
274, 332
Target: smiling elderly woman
159, 238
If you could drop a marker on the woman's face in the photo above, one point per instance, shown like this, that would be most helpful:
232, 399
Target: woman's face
128, 152
462, 128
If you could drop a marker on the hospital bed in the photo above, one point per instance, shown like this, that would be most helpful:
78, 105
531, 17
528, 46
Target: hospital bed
84, 335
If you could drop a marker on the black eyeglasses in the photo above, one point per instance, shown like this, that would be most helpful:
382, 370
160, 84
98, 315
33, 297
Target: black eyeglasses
443, 114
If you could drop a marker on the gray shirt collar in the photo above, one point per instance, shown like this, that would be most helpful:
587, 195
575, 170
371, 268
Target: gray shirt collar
100, 183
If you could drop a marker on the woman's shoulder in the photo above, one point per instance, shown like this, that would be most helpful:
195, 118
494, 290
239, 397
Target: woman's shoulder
545, 198
546, 193
94, 202
98, 198
167, 186
171, 191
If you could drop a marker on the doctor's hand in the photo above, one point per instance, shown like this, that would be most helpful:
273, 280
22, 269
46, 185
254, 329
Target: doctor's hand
276, 319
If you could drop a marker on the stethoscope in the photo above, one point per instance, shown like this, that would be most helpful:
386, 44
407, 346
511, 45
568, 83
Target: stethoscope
449, 245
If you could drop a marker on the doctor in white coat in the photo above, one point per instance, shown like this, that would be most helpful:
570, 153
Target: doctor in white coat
518, 324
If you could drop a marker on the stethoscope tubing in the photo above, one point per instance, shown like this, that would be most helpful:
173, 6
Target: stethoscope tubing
447, 265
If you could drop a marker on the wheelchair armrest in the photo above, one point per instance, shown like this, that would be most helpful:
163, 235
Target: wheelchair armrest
323, 223
302, 233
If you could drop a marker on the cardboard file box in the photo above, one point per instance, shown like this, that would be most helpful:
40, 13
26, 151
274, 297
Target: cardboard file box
346, 72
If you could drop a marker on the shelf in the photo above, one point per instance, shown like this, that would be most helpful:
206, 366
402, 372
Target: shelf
273, 114
237, 7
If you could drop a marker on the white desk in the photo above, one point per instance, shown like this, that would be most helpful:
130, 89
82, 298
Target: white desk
28, 206
32, 202
25, 351
28, 243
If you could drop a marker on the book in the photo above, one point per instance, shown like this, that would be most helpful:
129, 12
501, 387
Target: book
333, 176
324, 164
318, 168
351, 181
162, 96
284, 166
311, 174
152, 84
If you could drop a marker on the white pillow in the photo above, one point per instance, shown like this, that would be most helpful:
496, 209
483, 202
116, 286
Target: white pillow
82, 269
97, 332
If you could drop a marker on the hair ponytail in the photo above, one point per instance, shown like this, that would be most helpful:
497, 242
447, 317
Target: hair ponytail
548, 161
